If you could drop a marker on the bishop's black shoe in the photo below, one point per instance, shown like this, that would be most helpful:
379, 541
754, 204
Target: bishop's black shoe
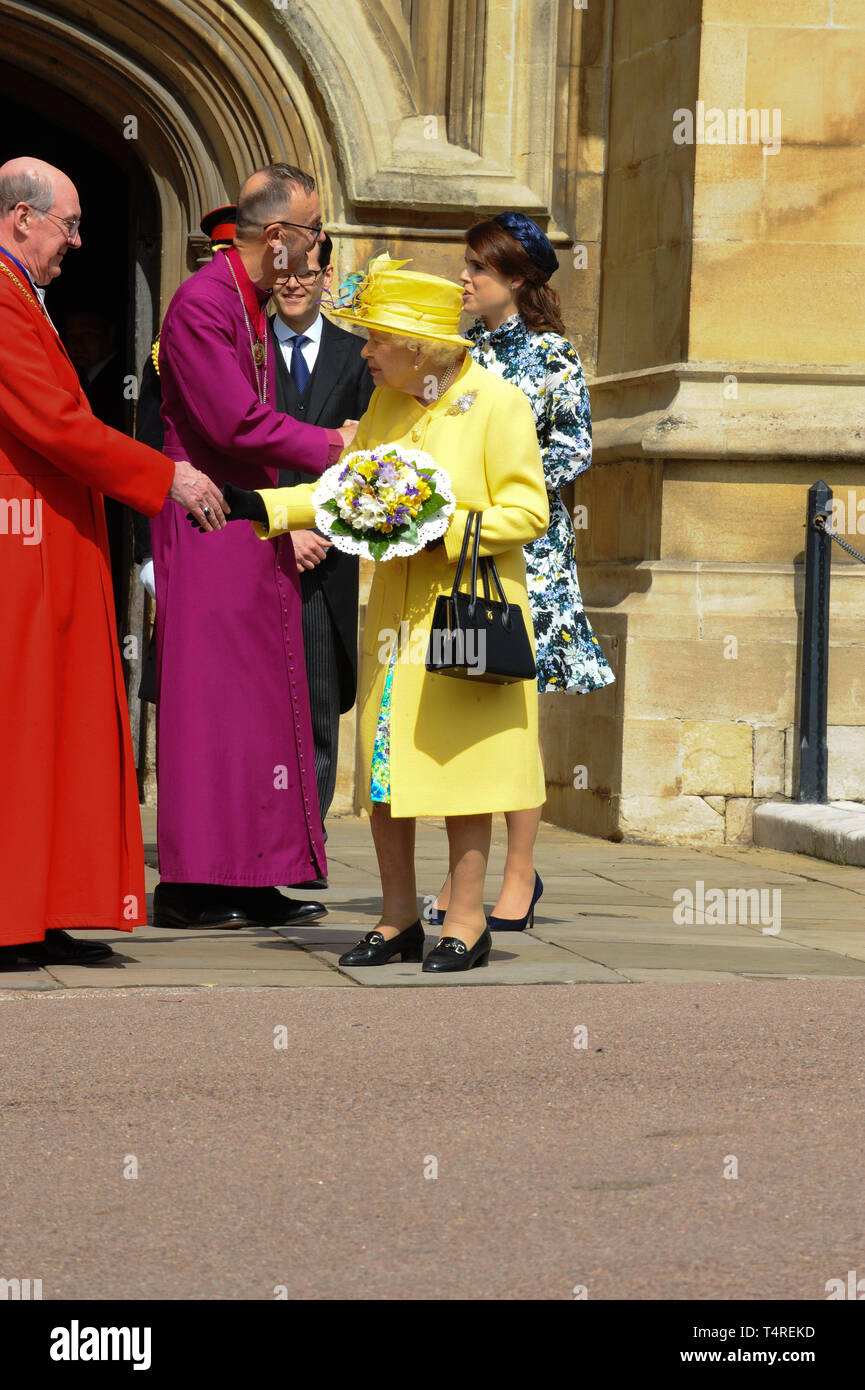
373, 949
186, 905
269, 908
450, 954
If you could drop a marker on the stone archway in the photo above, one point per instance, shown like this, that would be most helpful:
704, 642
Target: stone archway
398, 107
197, 86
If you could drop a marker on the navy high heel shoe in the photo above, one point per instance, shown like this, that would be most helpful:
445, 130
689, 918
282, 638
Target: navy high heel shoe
435, 916
519, 923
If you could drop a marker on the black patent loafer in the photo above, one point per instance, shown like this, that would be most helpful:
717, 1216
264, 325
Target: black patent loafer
374, 949
60, 949
450, 954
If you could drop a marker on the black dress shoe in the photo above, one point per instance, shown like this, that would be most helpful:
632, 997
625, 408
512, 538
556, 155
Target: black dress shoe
373, 949
181, 905
317, 884
9, 957
269, 908
451, 954
60, 949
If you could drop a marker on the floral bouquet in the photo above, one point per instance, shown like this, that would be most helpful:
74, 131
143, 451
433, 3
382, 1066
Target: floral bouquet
383, 502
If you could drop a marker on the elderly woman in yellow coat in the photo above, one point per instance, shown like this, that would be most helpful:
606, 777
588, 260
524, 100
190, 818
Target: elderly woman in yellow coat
432, 745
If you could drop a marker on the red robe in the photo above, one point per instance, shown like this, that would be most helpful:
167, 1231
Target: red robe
71, 853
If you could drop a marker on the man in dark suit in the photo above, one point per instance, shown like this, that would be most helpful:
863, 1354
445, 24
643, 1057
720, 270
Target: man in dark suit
322, 379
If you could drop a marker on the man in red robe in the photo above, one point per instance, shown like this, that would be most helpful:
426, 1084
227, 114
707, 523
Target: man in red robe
71, 853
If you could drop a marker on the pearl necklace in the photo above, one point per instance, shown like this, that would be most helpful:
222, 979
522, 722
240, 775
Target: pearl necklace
448, 379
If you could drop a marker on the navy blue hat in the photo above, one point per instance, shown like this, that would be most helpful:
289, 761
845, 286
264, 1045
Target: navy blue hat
537, 244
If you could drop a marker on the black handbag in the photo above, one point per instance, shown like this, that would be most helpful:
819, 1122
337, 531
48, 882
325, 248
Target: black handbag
474, 638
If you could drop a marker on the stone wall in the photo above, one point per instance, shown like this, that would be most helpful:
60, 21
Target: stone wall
692, 562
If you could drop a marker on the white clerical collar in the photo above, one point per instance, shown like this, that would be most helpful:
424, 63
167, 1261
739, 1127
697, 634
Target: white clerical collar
285, 334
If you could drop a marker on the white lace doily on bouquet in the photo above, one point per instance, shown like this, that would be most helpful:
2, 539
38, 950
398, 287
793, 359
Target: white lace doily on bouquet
350, 522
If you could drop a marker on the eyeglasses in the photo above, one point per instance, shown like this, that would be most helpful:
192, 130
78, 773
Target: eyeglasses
303, 277
301, 226
70, 225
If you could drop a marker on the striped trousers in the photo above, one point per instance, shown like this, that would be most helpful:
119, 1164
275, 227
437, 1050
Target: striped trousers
322, 676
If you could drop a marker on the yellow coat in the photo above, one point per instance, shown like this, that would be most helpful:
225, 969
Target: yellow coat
456, 747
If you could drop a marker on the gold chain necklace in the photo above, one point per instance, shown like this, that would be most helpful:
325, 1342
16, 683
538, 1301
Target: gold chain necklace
14, 278
27, 295
256, 346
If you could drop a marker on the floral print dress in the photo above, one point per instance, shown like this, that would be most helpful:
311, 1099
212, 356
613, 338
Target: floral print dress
547, 368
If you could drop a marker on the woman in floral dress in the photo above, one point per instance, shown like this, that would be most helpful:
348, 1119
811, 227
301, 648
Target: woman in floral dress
519, 335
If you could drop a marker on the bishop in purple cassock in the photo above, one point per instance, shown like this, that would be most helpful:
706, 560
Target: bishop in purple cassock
237, 802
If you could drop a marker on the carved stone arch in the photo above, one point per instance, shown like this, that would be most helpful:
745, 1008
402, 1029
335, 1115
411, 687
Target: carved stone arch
367, 61
222, 86
212, 95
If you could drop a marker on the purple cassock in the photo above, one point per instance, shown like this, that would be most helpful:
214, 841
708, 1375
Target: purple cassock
234, 754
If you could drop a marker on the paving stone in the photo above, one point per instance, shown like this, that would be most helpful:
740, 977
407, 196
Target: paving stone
79, 977
499, 972
650, 932
606, 915
839, 943
26, 979
281, 957
784, 960
680, 977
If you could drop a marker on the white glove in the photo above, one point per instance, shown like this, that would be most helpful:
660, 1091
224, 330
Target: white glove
148, 578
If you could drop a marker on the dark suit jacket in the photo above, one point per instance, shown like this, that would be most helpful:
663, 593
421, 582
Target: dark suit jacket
338, 389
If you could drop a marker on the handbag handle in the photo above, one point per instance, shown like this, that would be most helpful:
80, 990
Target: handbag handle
476, 550
487, 568
470, 521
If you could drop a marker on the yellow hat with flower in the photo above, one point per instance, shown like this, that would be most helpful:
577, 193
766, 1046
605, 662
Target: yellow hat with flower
389, 299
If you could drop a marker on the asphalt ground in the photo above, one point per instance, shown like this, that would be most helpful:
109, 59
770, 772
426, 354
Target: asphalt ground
704, 1143
639, 1109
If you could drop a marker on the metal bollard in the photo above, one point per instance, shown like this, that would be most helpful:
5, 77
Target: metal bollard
813, 706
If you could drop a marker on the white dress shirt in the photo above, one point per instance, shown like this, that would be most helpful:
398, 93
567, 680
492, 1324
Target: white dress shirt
285, 336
